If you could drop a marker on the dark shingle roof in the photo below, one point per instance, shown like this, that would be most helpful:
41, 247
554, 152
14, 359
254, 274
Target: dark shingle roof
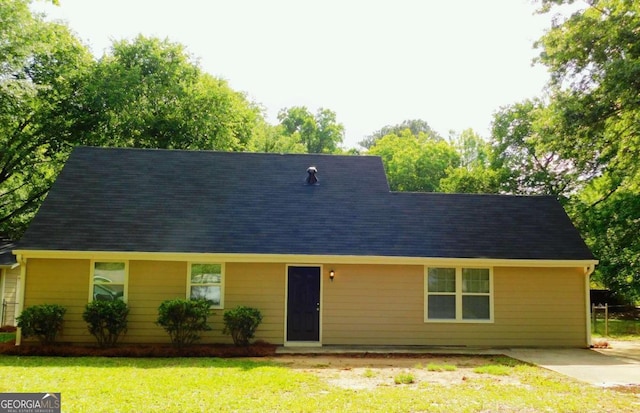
216, 202
6, 257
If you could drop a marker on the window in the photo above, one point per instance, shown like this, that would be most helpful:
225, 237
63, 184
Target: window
458, 294
206, 281
108, 281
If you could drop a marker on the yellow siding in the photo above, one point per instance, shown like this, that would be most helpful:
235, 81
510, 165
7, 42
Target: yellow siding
254, 285
151, 283
376, 305
10, 279
365, 304
64, 282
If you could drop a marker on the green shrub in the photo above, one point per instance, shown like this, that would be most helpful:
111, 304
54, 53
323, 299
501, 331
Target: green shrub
241, 323
43, 321
106, 320
184, 319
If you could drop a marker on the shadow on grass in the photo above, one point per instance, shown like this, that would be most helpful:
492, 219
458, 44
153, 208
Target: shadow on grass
62, 352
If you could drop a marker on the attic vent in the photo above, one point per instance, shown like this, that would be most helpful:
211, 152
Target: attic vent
311, 179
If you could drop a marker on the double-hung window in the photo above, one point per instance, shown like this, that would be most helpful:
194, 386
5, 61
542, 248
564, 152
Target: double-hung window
206, 281
458, 294
108, 280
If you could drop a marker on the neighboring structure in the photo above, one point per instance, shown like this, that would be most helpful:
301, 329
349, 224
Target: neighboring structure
9, 281
318, 243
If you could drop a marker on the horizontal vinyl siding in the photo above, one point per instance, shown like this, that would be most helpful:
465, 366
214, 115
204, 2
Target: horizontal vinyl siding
363, 305
261, 286
151, 283
541, 306
11, 276
64, 282
254, 285
384, 305
373, 304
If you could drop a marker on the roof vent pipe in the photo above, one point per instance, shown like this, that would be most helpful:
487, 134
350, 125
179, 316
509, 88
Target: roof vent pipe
312, 179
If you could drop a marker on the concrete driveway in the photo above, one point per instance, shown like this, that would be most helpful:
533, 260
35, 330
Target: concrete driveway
616, 366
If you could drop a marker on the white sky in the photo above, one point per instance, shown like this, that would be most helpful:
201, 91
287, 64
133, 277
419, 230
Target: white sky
452, 63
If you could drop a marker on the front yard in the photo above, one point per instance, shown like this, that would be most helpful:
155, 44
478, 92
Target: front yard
423, 383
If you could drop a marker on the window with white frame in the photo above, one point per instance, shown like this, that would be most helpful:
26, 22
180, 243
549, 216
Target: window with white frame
458, 294
108, 280
206, 281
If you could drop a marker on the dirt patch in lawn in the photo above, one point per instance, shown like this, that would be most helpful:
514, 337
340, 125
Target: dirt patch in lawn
368, 371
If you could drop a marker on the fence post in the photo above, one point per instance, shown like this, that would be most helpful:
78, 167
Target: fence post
593, 317
606, 319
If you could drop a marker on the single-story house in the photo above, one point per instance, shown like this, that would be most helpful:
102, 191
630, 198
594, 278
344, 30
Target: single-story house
318, 243
9, 281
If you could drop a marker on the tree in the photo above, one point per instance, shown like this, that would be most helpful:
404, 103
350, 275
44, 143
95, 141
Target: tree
594, 59
594, 113
53, 96
414, 163
272, 139
319, 134
416, 126
41, 68
611, 226
475, 173
523, 151
148, 93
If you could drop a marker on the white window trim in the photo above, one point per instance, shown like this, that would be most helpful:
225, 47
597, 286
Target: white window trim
458, 294
125, 295
222, 281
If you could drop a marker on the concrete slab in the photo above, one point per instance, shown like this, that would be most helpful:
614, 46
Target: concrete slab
387, 350
629, 349
585, 365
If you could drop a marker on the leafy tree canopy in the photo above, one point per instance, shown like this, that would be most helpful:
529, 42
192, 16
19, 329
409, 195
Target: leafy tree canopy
41, 69
475, 174
149, 93
319, 133
594, 59
416, 126
415, 162
525, 153
593, 120
54, 95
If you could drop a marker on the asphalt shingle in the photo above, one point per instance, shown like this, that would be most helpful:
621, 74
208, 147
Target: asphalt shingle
6, 257
109, 199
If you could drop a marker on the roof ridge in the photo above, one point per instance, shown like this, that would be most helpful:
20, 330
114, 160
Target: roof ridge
214, 151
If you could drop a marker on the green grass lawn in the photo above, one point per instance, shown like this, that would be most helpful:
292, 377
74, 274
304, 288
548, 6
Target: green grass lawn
618, 329
94, 384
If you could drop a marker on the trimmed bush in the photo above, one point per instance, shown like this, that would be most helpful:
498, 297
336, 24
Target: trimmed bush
43, 321
106, 320
241, 323
184, 319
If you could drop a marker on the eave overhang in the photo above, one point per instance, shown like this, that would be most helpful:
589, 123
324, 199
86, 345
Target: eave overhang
24, 254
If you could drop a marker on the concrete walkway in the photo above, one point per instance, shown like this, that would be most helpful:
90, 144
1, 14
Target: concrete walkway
597, 367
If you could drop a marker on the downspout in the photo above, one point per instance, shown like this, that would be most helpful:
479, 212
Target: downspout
588, 270
3, 277
21, 288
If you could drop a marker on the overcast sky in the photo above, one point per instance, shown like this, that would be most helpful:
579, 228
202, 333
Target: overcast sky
452, 63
